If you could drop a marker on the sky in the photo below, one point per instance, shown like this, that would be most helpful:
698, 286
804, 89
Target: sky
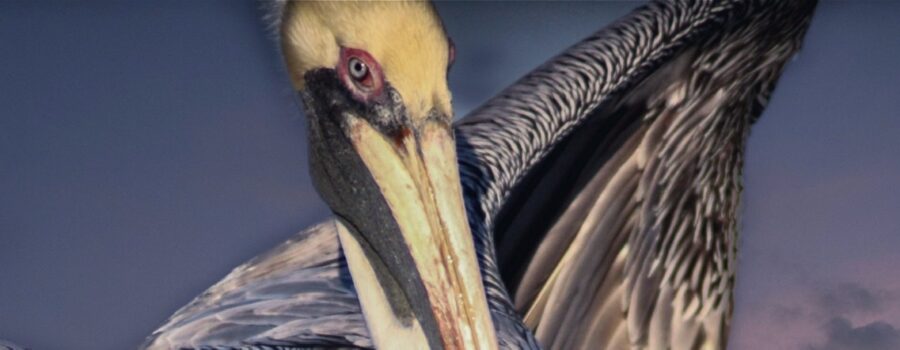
146, 149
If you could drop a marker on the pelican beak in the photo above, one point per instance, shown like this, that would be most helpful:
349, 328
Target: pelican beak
402, 226
418, 177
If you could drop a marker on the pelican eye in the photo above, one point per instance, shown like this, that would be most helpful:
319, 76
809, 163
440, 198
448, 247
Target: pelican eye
360, 73
358, 69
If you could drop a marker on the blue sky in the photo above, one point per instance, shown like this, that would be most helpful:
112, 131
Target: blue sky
148, 148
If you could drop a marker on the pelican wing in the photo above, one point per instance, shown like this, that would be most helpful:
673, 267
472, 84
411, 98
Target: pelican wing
5, 345
609, 178
296, 295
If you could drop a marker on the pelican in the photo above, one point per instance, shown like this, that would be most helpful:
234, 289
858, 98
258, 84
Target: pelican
593, 204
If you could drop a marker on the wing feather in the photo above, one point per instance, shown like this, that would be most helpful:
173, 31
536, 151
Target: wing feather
632, 211
297, 295
5, 345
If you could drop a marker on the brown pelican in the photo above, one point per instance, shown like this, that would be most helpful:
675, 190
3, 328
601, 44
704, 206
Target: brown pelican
593, 204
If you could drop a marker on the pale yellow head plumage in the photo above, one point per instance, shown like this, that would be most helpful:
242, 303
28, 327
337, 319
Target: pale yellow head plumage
406, 38
391, 177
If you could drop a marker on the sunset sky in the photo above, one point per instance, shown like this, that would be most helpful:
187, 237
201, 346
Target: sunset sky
147, 148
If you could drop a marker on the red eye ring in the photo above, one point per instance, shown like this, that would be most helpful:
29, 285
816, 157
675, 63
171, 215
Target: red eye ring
360, 73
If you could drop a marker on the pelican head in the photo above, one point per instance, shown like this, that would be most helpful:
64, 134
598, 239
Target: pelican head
373, 80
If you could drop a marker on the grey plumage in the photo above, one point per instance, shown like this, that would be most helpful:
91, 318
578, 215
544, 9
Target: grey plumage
632, 138
298, 293
661, 176
5, 345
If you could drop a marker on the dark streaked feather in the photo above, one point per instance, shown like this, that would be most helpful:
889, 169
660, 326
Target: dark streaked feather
615, 205
299, 294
